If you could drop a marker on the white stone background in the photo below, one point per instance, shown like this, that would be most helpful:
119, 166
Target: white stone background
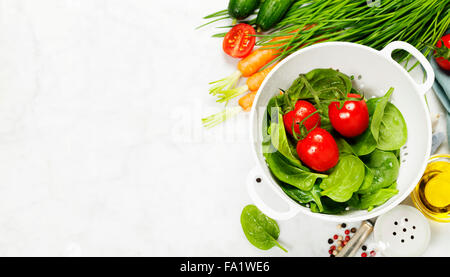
102, 152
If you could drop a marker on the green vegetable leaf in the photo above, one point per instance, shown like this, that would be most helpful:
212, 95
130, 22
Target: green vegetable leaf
384, 167
304, 197
260, 230
377, 198
378, 113
290, 174
279, 138
345, 179
364, 144
326, 83
393, 130
368, 180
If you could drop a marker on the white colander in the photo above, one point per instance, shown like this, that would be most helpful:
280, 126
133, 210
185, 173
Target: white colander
378, 73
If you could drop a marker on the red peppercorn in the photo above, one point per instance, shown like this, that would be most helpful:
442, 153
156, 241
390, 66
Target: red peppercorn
364, 254
372, 253
332, 247
335, 237
330, 252
347, 238
344, 243
347, 232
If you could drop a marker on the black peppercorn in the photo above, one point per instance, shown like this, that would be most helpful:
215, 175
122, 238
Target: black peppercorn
330, 241
364, 248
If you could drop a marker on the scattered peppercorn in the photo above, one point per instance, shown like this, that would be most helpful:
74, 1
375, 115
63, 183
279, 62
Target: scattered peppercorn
332, 247
335, 252
343, 225
372, 253
347, 232
364, 254
340, 238
364, 248
330, 241
335, 237
347, 238
330, 252
339, 248
353, 230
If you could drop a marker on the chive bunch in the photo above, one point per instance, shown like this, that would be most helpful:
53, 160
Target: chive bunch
418, 22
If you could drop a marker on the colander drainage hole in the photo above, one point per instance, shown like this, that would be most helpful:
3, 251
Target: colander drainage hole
395, 223
414, 227
412, 237
394, 233
404, 229
403, 241
258, 180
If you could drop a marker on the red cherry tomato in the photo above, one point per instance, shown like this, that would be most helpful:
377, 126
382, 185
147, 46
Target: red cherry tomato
301, 111
442, 55
239, 41
352, 119
318, 150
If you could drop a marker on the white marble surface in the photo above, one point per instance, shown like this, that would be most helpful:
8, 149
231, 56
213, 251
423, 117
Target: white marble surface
101, 148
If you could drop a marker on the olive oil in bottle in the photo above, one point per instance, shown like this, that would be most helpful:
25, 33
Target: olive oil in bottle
432, 194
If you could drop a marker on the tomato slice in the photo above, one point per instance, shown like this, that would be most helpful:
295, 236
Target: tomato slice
239, 41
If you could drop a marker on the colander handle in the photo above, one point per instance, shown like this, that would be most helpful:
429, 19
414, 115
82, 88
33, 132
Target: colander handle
255, 178
387, 52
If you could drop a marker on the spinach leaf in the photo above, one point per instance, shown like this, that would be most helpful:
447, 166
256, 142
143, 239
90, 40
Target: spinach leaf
325, 83
368, 180
385, 168
376, 198
386, 124
329, 206
304, 197
290, 174
378, 113
345, 179
260, 230
344, 147
279, 138
364, 144
393, 131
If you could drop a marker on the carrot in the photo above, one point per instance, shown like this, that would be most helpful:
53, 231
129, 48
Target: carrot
255, 81
256, 60
246, 101
253, 84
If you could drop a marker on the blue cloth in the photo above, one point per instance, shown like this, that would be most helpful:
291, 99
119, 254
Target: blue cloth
442, 89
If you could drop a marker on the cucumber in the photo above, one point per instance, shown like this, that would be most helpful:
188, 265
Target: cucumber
241, 9
272, 12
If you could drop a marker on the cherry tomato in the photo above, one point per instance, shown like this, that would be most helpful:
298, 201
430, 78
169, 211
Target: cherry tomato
239, 41
442, 54
318, 150
352, 119
301, 111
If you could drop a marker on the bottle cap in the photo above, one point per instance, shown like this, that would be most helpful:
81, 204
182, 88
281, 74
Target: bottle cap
402, 232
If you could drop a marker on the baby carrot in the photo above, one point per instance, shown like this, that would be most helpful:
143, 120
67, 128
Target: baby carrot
253, 84
255, 81
256, 60
246, 101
